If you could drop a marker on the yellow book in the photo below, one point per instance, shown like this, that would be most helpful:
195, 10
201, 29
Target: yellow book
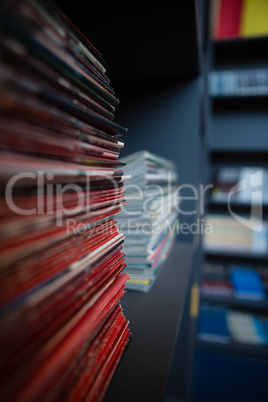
141, 281
254, 18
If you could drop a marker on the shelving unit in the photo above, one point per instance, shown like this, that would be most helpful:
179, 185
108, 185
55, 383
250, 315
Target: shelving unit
236, 136
235, 118
158, 60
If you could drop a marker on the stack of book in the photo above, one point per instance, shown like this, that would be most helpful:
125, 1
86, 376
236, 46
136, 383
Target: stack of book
63, 330
236, 280
216, 287
227, 233
241, 185
250, 82
150, 220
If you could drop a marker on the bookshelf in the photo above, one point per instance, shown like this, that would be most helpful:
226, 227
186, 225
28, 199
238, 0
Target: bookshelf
234, 118
236, 137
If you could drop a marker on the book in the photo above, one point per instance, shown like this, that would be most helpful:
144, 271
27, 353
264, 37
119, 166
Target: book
240, 186
63, 330
247, 283
229, 19
212, 324
150, 220
216, 287
226, 325
246, 328
238, 83
229, 234
254, 18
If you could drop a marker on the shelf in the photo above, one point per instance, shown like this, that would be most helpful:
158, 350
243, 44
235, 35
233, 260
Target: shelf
246, 304
236, 136
259, 351
239, 103
240, 50
239, 157
239, 255
242, 130
227, 257
245, 209
241, 41
154, 318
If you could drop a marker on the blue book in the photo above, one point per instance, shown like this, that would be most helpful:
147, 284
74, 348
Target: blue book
212, 324
247, 283
261, 326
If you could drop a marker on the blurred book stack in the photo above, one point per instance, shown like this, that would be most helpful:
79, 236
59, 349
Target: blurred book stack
235, 234
150, 220
241, 185
215, 280
239, 281
63, 330
249, 82
225, 325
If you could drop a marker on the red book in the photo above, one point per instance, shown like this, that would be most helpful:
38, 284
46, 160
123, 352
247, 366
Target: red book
229, 19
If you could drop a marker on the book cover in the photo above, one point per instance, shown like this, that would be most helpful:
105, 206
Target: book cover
254, 18
229, 19
212, 324
247, 283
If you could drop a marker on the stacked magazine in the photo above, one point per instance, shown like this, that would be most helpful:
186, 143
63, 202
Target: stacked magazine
150, 219
63, 330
